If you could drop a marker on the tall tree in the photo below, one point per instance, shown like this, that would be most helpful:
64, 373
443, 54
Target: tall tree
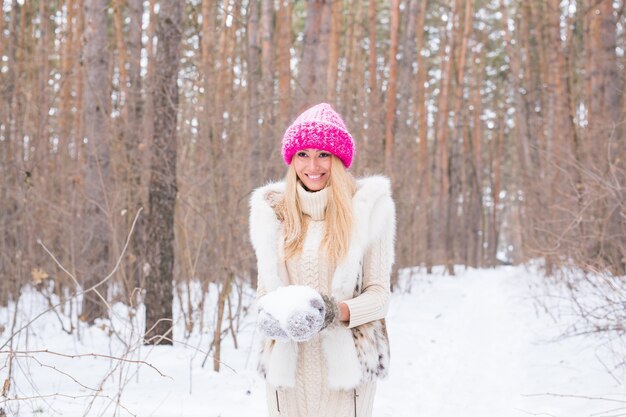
267, 54
42, 95
79, 125
474, 161
375, 133
148, 113
460, 138
96, 108
606, 120
332, 71
424, 177
528, 169
314, 55
135, 143
3, 77
257, 150
163, 186
441, 136
267, 111
283, 62
391, 85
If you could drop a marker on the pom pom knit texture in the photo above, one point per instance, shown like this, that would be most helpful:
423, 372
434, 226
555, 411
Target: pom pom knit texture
319, 127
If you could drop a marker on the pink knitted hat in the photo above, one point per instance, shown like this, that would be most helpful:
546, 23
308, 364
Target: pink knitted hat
319, 127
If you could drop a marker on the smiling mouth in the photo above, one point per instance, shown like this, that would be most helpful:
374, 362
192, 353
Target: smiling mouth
314, 177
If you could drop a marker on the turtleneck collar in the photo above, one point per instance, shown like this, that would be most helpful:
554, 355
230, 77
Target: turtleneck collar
313, 203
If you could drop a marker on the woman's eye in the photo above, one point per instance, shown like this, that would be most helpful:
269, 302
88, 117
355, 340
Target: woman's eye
302, 154
324, 155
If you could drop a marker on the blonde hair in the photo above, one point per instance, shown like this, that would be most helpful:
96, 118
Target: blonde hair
338, 226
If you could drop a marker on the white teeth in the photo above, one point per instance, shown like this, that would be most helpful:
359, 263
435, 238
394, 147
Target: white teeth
314, 177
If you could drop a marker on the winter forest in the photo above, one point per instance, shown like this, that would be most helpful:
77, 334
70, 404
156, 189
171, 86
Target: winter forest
132, 133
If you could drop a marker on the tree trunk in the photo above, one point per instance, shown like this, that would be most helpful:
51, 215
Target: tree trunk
307, 84
148, 115
79, 125
374, 145
527, 168
353, 96
120, 44
425, 207
135, 146
407, 70
96, 108
66, 101
319, 89
606, 126
497, 153
267, 15
4, 77
221, 85
163, 185
455, 232
333, 50
442, 132
267, 52
42, 96
475, 165
283, 63
217, 334
391, 86
258, 149
533, 38
267, 139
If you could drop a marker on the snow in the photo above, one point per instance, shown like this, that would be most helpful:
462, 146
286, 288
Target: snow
282, 302
479, 343
292, 311
478, 347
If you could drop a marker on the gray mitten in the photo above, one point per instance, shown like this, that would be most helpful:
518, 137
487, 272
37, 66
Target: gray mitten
299, 311
306, 321
270, 326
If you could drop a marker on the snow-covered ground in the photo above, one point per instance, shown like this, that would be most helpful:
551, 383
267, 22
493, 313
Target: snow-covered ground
476, 344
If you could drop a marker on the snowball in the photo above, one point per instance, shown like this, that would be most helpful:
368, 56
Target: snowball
284, 302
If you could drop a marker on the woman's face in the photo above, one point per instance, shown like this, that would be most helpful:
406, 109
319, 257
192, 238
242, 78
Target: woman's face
313, 168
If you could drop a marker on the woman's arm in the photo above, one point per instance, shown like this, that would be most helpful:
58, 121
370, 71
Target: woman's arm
372, 304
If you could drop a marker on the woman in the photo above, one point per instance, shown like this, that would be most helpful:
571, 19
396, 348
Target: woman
324, 247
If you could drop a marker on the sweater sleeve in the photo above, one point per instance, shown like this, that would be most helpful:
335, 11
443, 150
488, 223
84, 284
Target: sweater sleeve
373, 303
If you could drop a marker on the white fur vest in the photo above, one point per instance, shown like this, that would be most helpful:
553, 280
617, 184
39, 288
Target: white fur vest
353, 356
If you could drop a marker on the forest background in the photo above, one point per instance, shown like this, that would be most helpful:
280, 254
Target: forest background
132, 133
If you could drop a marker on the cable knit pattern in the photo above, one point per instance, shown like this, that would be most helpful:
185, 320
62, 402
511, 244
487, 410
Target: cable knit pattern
311, 396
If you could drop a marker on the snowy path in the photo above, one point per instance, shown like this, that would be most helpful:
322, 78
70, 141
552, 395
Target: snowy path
472, 345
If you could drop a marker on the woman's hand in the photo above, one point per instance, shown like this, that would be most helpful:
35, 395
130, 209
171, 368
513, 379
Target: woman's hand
344, 312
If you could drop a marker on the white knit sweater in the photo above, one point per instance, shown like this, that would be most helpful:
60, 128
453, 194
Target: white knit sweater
311, 396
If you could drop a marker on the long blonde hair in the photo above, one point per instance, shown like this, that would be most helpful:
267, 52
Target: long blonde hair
338, 226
